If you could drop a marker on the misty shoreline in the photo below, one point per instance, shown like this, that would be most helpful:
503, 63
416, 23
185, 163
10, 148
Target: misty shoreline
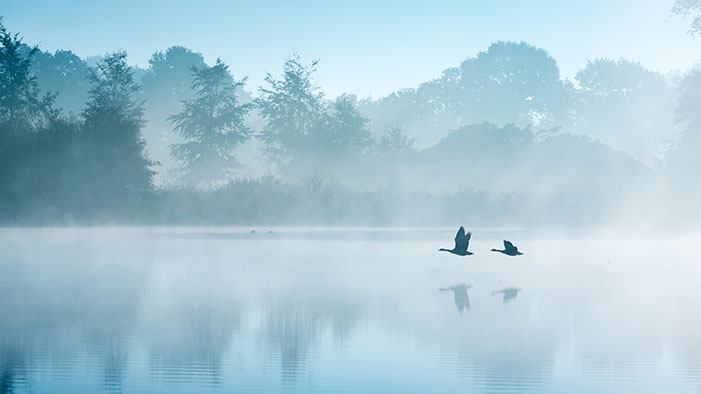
500, 140
263, 232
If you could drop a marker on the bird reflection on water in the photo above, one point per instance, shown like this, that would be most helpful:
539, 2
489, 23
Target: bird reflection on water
462, 300
509, 293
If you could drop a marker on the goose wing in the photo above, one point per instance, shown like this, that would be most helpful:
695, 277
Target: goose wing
459, 236
509, 246
462, 239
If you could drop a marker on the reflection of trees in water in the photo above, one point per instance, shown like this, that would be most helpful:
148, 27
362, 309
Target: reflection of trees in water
505, 344
191, 335
686, 337
293, 325
12, 368
690, 357
504, 350
631, 323
114, 357
90, 295
189, 320
84, 292
188, 312
620, 330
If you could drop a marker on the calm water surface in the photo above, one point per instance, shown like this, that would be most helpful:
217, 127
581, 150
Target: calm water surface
345, 310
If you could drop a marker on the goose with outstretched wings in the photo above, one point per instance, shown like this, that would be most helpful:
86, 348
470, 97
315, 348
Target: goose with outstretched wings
509, 249
462, 241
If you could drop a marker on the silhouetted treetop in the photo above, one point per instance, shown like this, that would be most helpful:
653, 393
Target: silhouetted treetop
120, 170
170, 74
345, 129
65, 74
291, 106
112, 86
626, 106
508, 83
212, 124
20, 99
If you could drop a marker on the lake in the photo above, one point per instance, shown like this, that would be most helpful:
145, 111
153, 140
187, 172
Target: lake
189, 310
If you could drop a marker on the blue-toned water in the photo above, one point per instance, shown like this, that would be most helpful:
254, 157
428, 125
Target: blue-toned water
190, 310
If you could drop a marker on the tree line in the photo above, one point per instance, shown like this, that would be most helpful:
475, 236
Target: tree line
72, 143
94, 162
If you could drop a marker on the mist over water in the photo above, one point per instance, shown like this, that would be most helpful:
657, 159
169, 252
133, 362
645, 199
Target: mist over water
344, 310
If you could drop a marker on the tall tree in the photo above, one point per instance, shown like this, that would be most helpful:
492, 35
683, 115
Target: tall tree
166, 84
117, 167
626, 106
344, 131
20, 102
169, 77
34, 138
64, 73
292, 107
212, 125
510, 82
17, 90
113, 89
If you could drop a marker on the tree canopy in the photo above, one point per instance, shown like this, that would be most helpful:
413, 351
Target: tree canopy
292, 106
20, 102
212, 125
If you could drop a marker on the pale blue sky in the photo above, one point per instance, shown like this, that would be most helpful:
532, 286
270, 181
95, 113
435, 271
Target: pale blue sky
365, 47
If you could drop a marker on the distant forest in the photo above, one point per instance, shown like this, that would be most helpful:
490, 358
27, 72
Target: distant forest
501, 139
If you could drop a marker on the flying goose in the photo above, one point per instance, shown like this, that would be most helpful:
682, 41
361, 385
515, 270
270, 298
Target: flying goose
509, 249
462, 241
